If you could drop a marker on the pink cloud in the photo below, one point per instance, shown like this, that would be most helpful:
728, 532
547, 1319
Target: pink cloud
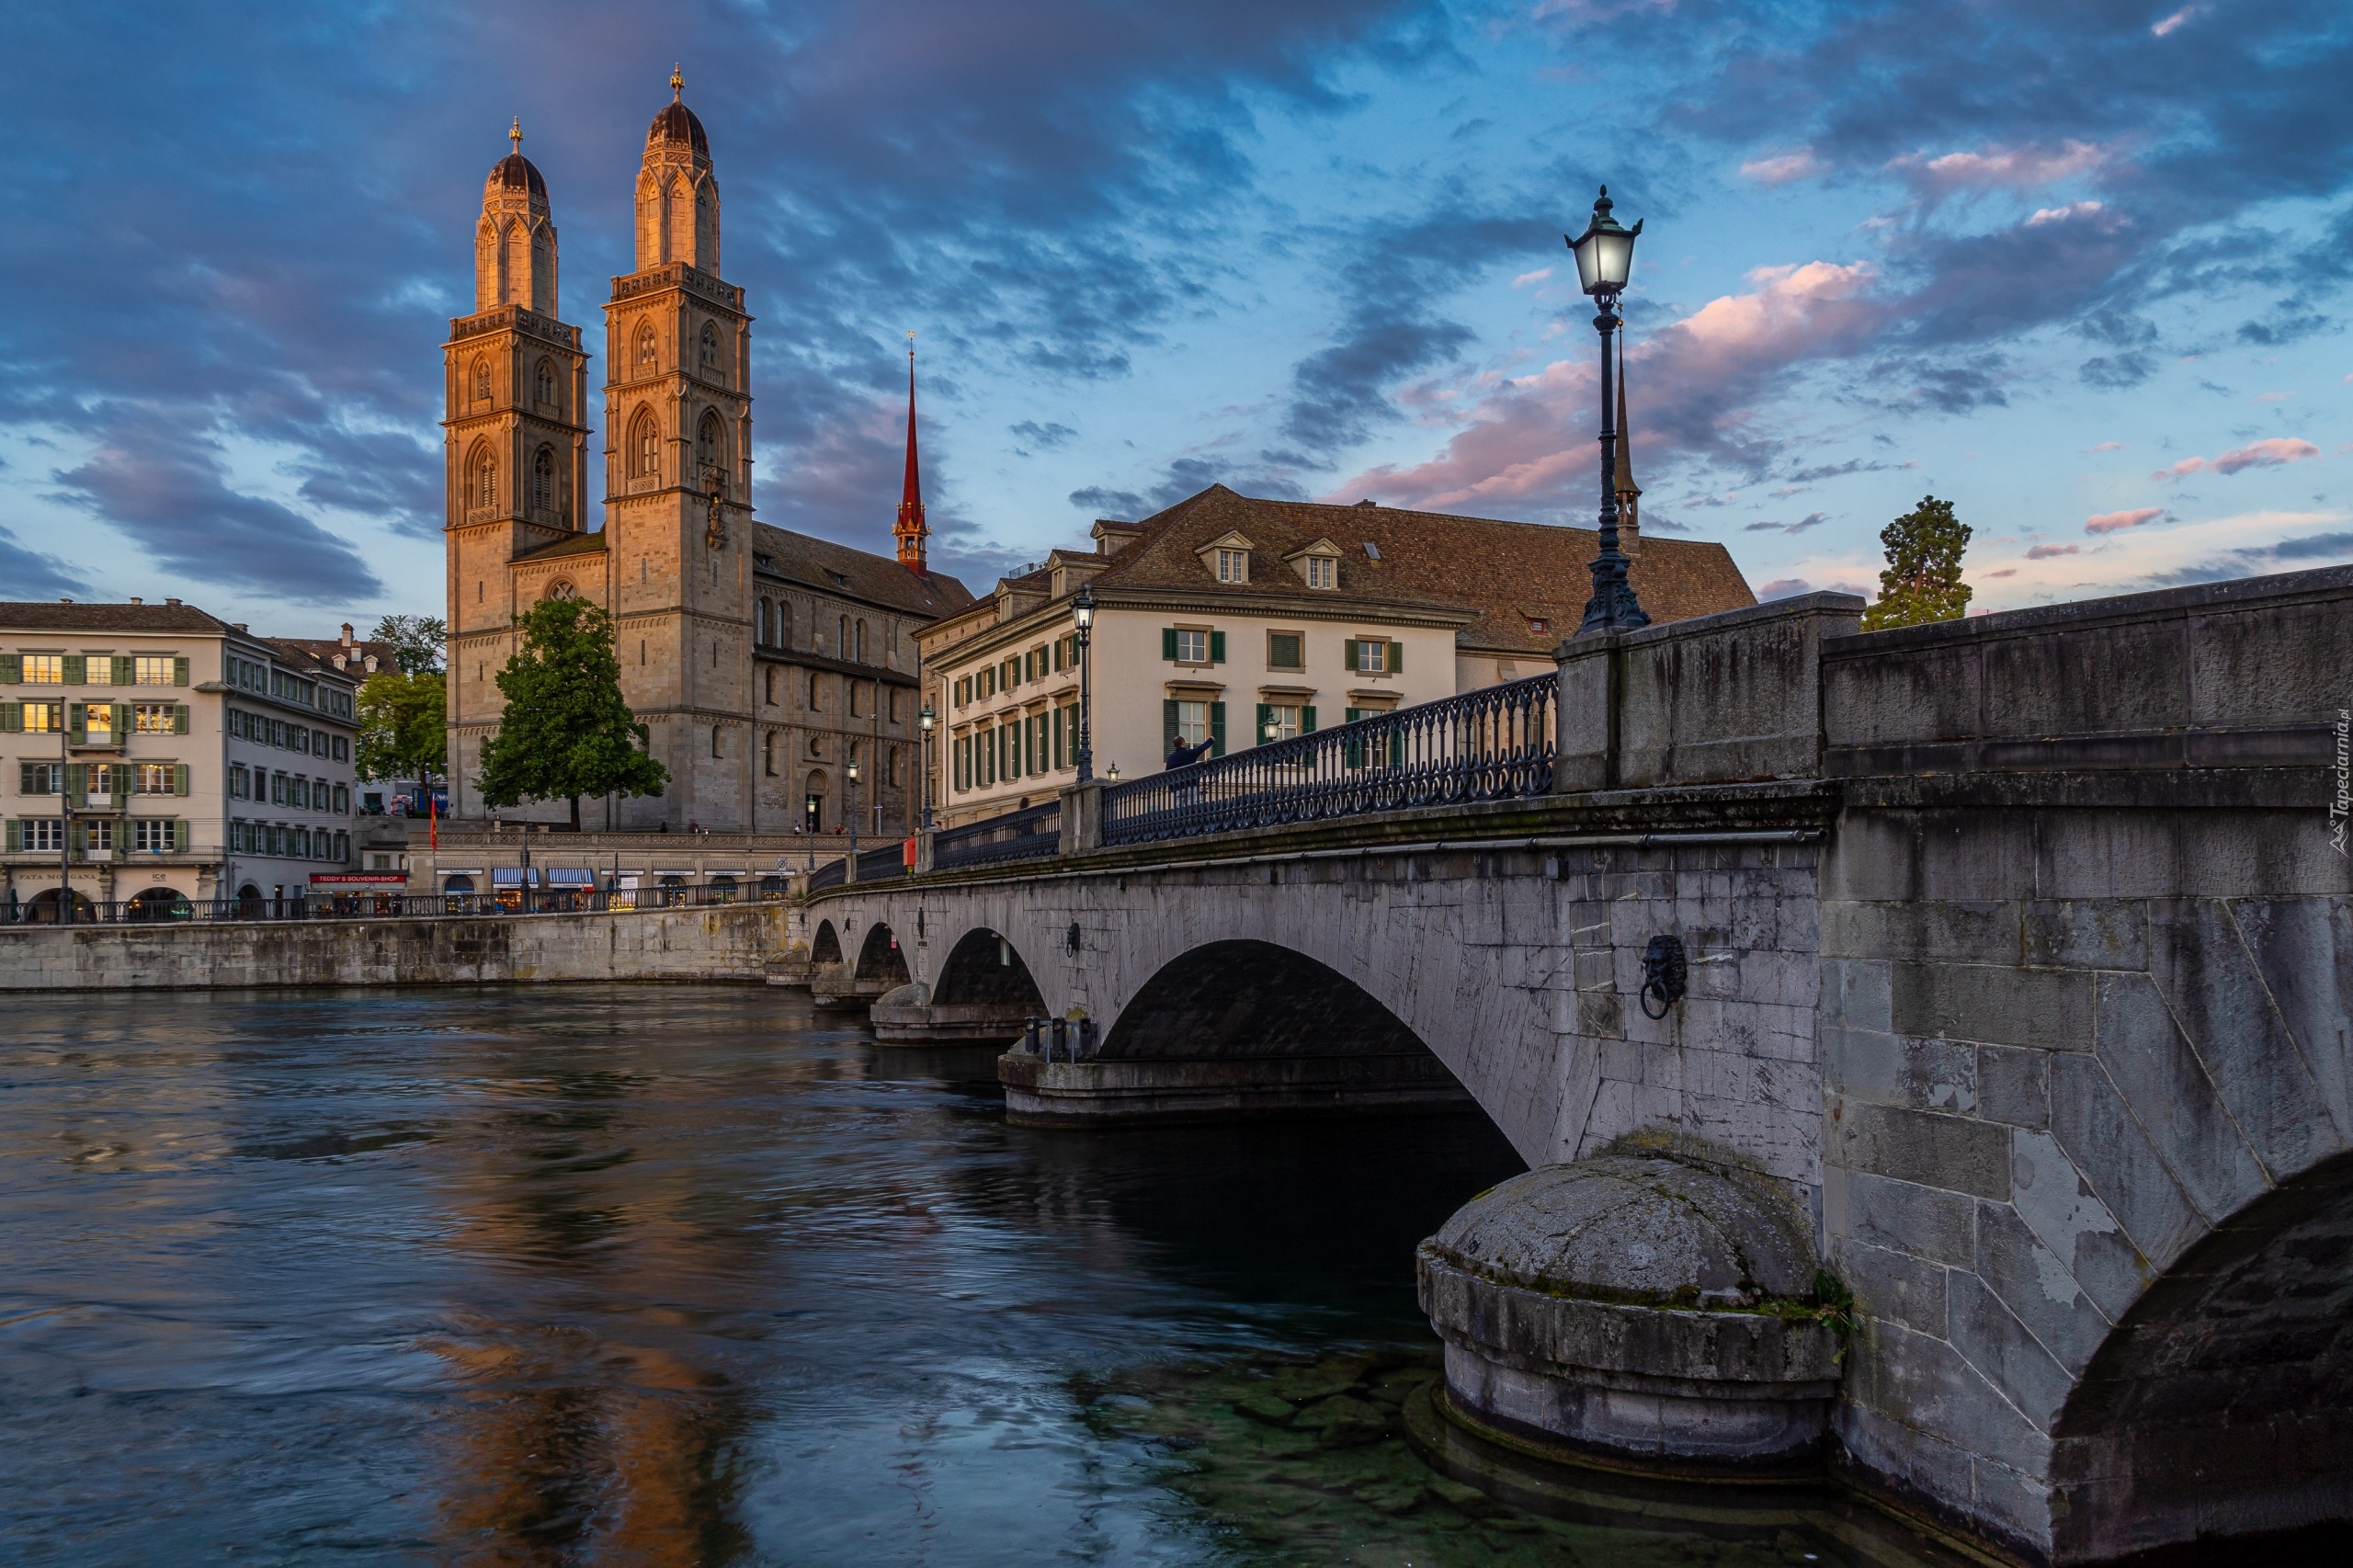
2110, 522
2045, 552
2005, 571
2187, 14
1525, 278
2269, 453
2026, 167
2061, 214
2106, 447
1782, 167
1528, 436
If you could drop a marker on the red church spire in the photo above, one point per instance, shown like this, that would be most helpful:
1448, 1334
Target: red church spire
910, 530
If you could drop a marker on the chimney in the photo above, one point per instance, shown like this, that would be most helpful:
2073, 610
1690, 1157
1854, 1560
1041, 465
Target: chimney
172, 601
137, 600
346, 634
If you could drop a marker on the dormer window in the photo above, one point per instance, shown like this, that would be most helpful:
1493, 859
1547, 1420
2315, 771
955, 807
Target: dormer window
1227, 559
1233, 565
1318, 564
1322, 572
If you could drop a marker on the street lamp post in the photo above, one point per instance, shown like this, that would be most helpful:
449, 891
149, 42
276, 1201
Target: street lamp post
853, 812
1082, 615
926, 719
64, 827
1605, 253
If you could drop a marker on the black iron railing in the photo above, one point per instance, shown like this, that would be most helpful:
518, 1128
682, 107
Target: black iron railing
1016, 836
36, 912
1496, 744
831, 874
881, 865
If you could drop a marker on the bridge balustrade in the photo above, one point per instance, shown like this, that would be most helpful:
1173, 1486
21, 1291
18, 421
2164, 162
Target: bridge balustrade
28, 914
1016, 835
1496, 744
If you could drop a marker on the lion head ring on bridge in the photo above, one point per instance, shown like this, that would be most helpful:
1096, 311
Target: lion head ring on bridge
1664, 974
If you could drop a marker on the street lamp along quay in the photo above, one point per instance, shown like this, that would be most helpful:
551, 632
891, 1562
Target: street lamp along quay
1082, 615
853, 813
926, 719
1605, 253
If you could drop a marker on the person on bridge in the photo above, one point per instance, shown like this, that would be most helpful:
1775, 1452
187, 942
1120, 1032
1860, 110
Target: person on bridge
1182, 755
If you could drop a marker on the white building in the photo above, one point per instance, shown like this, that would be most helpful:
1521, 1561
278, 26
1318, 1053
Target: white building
1242, 621
153, 754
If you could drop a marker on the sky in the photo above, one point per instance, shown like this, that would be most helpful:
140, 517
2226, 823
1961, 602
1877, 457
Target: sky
2079, 269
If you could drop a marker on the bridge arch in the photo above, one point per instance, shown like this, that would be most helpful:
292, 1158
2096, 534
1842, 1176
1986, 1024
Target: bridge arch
1251, 998
878, 958
826, 947
984, 968
2221, 1403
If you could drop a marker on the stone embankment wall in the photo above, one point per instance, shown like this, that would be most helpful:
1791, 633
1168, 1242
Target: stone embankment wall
729, 942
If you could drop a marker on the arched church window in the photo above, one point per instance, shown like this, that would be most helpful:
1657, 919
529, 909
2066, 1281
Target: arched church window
543, 479
485, 478
648, 357
710, 452
561, 589
767, 747
543, 383
646, 442
710, 351
481, 380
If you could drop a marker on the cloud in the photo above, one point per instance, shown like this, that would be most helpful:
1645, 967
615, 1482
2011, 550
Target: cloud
1780, 169
2106, 447
29, 573
1784, 587
1811, 520
2268, 453
1527, 279
2176, 21
1099, 501
2112, 522
2023, 166
1045, 438
2045, 552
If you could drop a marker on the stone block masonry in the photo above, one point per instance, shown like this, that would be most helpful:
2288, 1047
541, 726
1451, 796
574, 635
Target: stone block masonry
731, 942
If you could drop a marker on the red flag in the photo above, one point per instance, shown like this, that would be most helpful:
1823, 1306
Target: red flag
432, 821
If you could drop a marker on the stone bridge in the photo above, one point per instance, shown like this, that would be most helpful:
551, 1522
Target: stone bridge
2017, 989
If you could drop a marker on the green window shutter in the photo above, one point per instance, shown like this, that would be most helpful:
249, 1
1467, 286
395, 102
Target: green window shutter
179, 834
122, 722
12, 668
12, 717
1168, 718
179, 719
1059, 726
1307, 721
74, 723
1396, 657
179, 779
1168, 643
126, 670
1217, 727
1349, 655
78, 669
118, 782
1217, 647
1266, 717
179, 671
16, 835
76, 778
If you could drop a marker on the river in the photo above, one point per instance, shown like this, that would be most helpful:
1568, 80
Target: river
696, 1275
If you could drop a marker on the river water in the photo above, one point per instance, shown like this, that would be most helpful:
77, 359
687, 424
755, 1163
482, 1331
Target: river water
674, 1275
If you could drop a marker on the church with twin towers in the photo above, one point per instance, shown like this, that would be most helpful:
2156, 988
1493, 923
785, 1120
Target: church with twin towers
763, 662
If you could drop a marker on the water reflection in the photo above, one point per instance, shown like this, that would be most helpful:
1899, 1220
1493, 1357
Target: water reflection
680, 1275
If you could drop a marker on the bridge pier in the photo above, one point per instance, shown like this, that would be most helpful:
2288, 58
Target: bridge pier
908, 1015
1102, 1093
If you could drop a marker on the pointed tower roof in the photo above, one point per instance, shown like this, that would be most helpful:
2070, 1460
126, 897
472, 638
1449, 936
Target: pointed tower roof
910, 531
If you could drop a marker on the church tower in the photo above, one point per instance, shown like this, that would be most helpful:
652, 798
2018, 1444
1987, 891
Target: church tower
678, 485
910, 530
515, 438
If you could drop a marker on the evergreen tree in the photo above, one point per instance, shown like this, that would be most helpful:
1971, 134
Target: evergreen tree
403, 723
416, 639
1922, 582
566, 731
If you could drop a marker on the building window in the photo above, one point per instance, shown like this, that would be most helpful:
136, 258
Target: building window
1282, 721
1372, 655
97, 722
152, 836
710, 351
708, 452
1322, 572
40, 778
850, 688
544, 480
1187, 646
715, 747
481, 380
1193, 722
153, 718
894, 705
44, 669
768, 754
543, 383
646, 442
815, 705
44, 832
841, 639
153, 778
1286, 650
147, 671
648, 355
44, 718
1233, 565
485, 478
240, 783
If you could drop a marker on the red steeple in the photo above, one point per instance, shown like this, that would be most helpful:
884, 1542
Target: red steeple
910, 530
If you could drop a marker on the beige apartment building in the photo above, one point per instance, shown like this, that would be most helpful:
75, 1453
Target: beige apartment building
153, 754
1242, 620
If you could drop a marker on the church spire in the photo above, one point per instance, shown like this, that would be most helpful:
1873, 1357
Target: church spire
1629, 495
910, 530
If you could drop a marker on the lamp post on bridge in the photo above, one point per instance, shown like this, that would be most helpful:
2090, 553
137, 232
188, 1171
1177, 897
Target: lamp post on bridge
1082, 615
1605, 253
852, 815
926, 719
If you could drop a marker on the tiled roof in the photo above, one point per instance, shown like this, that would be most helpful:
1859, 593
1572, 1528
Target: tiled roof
299, 657
355, 650
837, 569
1512, 574
61, 616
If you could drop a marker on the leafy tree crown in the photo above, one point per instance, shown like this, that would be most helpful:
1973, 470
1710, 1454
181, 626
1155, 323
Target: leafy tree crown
567, 732
1922, 583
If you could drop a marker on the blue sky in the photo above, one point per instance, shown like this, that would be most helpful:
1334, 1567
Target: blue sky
2078, 268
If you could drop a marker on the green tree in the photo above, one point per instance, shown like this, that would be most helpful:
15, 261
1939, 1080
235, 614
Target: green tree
416, 639
1922, 582
403, 725
566, 731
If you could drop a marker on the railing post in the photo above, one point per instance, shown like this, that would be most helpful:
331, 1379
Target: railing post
924, 845
1082, 825
1585, 749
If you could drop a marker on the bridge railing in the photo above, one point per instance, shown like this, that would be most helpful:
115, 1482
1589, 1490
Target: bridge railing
1496, 744
560, 899
1016, 835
